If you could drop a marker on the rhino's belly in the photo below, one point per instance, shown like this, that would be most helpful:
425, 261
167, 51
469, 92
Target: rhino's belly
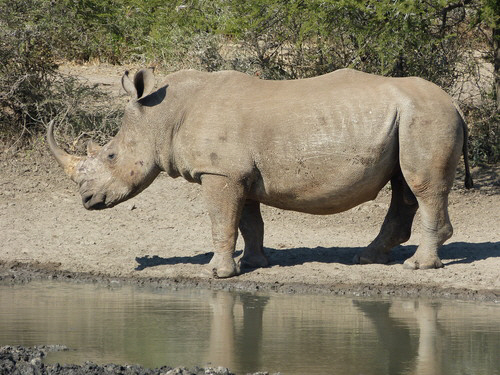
320, 202
328, 189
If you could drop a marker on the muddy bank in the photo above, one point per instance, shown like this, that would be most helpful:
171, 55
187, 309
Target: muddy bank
20, 360
20, 273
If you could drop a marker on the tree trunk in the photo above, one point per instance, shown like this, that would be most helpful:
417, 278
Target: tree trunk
496, 64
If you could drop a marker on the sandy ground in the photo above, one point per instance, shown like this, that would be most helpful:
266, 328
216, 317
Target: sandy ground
163, 235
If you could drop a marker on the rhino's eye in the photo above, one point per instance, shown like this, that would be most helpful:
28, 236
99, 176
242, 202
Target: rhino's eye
111, 156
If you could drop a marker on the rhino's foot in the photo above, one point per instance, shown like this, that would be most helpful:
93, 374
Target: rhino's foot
253, 261
370, 256
415, 263
221, 267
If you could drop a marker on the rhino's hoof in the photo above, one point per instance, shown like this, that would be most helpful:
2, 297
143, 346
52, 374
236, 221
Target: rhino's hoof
371, 257
415, 264
221, 271
218, 273
255, 261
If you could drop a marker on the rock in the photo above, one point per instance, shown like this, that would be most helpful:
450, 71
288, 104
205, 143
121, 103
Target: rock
28, 361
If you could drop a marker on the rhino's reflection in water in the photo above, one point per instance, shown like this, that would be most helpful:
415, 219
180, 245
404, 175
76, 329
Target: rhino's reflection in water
238, 345
247, 332
389, 322
405, 336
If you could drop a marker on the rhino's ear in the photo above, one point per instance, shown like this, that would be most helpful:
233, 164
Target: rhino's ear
93, 148
129, 86
144, 82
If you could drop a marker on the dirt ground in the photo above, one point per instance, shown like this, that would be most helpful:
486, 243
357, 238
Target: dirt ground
163, 235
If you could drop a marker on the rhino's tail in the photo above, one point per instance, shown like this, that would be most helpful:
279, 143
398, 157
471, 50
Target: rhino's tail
469, 183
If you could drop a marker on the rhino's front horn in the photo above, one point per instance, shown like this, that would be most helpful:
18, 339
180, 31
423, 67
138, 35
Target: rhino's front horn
66, 161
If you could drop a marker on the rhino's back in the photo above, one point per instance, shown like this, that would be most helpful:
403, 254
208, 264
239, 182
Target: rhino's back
319, 145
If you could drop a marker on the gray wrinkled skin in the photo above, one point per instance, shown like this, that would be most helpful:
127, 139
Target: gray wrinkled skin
320, 145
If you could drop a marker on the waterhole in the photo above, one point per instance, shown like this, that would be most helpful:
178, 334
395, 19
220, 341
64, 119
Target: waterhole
247, 332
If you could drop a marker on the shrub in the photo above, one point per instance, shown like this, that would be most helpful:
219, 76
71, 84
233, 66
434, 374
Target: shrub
484, 136
32, 91
276, 39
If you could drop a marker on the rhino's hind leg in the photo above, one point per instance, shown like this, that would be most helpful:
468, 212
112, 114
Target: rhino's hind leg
430, 176
252, 230
436, 229
431, 144
396, 228
224, 200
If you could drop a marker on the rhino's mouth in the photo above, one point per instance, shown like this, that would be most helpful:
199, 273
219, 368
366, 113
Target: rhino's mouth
100, 201
95, 202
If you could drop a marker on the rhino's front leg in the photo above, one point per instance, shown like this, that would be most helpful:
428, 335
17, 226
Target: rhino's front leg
224, 199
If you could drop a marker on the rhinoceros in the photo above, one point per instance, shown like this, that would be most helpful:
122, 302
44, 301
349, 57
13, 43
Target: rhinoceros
319, 145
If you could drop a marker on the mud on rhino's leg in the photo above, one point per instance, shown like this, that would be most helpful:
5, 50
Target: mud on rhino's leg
224, 200
252, 230
396, 228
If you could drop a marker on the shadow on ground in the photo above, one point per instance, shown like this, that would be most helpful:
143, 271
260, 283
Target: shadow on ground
453, 253
153, 261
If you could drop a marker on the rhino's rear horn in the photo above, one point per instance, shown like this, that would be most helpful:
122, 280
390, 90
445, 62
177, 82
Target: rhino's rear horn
66, 161
93, 148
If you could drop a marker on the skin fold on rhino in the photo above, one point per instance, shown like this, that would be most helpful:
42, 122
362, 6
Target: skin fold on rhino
319, 145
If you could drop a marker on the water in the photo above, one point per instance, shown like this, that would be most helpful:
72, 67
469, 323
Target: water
246, 332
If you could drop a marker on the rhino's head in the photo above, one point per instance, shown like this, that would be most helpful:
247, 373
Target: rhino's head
124, 166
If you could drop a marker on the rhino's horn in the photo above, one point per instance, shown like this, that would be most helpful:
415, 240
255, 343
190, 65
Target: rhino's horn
66, 161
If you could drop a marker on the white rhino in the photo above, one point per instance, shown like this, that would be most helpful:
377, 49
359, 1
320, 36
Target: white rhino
319, 145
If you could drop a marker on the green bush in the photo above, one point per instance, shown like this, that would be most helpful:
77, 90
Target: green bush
275, 39
32, 91
484, 134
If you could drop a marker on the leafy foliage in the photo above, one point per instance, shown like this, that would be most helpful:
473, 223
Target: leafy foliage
32, 91
445, 41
